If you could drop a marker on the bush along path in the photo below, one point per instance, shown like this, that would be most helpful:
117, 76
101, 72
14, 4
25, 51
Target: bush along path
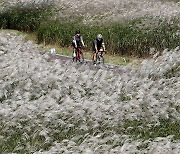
56, 107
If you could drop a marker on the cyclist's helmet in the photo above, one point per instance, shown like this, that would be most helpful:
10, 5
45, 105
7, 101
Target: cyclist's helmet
78, 31
99, 36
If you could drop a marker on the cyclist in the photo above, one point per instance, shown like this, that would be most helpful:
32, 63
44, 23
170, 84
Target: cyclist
97, 45
77, 41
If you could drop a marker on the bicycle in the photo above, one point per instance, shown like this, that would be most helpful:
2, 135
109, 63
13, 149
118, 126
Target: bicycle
99, 57
78, 55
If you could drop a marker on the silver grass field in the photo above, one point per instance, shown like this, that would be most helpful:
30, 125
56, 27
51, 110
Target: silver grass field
48, 106
55, 107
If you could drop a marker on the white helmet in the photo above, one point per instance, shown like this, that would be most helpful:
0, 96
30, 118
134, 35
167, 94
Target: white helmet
99, 36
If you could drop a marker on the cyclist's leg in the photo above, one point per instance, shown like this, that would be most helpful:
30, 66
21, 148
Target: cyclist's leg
74, 54
94, 57
79, 53
81, 57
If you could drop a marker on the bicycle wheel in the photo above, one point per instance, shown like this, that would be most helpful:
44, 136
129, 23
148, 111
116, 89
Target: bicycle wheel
81, 60
100, 58
77, 57
73, 55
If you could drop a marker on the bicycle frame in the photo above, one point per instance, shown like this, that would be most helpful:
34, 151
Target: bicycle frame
100, 57
78, 52
78, 55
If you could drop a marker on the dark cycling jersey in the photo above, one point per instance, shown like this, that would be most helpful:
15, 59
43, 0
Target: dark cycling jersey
99, 44
77, 41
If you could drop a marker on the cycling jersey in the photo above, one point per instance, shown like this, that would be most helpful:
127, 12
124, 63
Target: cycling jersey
77, 41
98, 43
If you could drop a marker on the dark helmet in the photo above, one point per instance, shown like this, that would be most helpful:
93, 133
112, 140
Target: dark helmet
78, 31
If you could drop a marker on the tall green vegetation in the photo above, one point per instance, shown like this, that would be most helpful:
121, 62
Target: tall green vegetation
121, 38
24, 18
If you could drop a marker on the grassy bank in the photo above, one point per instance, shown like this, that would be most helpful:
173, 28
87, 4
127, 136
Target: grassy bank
130, 38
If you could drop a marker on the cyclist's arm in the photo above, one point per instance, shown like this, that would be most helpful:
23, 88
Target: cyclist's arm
96, 48
104, 48
82, 41
95, 45
75, 42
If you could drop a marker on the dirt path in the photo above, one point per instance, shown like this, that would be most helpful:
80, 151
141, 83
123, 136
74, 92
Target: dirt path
117, 69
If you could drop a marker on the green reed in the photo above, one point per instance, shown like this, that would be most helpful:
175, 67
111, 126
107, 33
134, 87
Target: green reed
123, 39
